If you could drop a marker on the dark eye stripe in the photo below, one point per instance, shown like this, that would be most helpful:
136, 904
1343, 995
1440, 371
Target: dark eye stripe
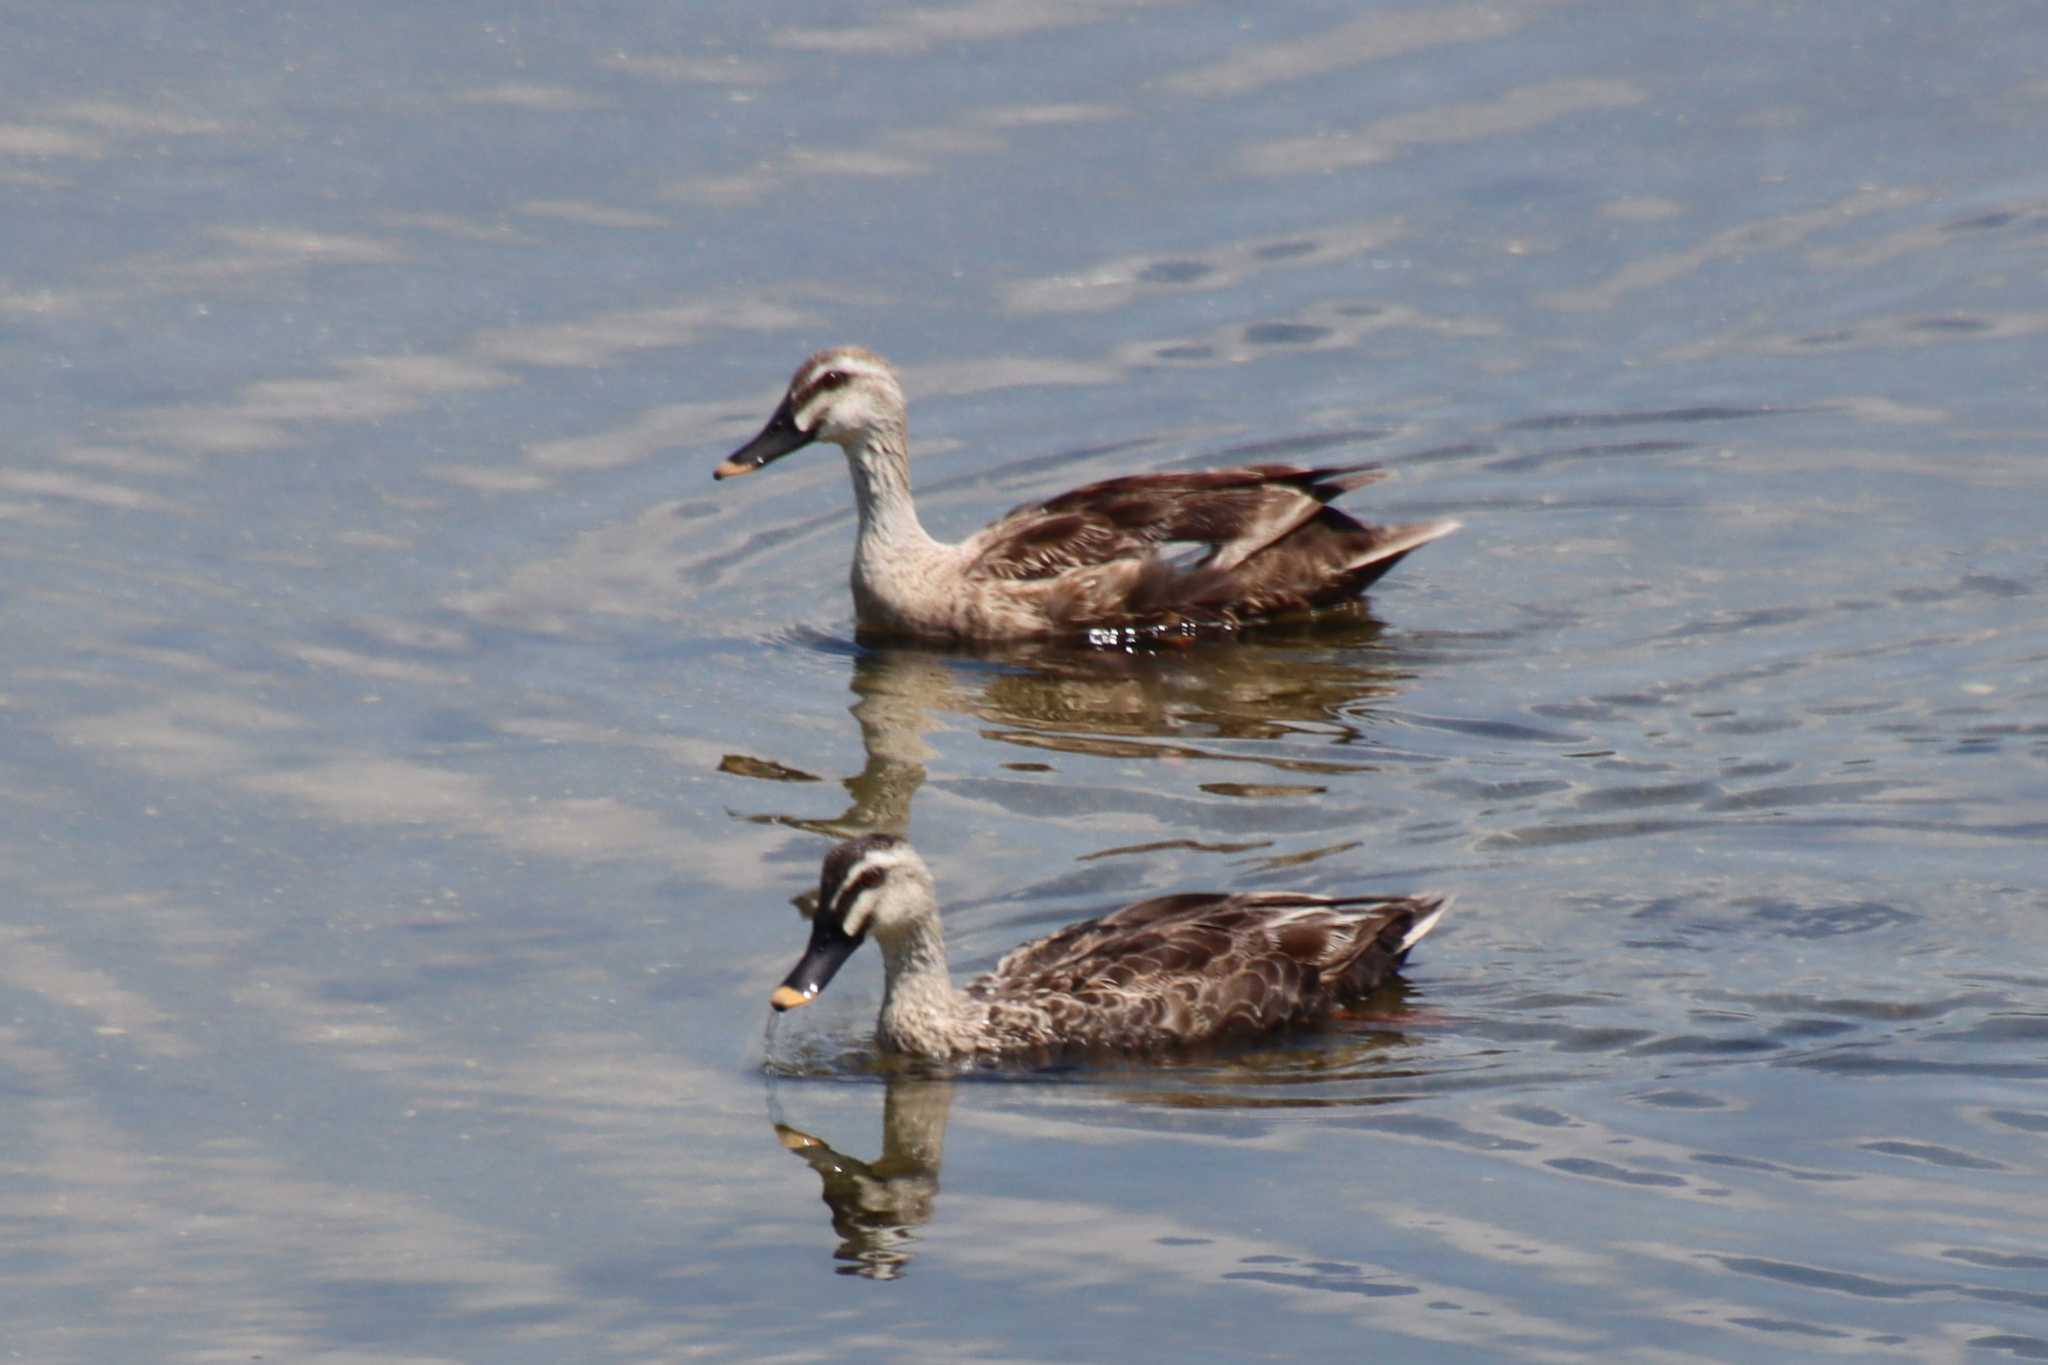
866, 881
855, 855
824, 383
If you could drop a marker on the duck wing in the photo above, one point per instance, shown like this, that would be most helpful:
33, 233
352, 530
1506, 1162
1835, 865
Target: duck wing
1235, 512
1195, 967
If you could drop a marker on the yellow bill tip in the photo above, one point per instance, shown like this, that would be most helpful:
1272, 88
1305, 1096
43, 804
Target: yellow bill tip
732, 469
788, 998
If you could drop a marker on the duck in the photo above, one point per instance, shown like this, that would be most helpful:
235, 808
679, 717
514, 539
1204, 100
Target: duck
1175, 971
1097, 562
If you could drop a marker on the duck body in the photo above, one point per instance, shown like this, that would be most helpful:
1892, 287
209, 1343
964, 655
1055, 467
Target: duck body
1175, 971
1097, 558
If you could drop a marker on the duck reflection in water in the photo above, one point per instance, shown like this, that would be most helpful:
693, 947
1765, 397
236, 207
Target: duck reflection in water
876, 1205
1320, 677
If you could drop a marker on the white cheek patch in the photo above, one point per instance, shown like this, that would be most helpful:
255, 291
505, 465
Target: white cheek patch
808, 416
880, 870
855, 921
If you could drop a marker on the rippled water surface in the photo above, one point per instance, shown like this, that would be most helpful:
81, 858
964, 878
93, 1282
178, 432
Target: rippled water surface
409, 759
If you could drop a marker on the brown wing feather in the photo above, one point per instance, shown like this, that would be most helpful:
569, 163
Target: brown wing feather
1092, 943
1201, 966
1237, 512
1330, 558
1091, 557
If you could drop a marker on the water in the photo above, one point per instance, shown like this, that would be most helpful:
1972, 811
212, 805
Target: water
410, 758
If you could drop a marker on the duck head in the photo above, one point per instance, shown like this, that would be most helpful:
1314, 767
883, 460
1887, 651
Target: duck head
874, 884
845, 395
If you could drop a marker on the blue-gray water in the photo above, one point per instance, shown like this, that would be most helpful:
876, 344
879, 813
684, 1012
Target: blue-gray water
408, 757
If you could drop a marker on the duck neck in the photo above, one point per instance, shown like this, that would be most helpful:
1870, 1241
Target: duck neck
922, 1013
880, 465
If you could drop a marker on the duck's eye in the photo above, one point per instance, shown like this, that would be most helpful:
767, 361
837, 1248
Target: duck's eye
831, 379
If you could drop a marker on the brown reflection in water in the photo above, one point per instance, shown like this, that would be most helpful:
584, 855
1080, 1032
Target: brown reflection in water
877, 1204
1164, 845
1167, 702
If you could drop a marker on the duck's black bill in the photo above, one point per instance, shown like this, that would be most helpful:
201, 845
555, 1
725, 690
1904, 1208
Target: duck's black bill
830, 947
776, 440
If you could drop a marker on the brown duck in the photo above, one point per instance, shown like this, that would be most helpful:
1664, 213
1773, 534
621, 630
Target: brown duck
1175, 971
1095, 559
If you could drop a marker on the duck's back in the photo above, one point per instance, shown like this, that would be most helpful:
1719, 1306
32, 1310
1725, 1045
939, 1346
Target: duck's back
1239, 511
1269, 545
1198, 968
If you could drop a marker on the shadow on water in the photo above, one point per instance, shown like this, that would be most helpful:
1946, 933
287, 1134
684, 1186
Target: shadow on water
1188, 700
